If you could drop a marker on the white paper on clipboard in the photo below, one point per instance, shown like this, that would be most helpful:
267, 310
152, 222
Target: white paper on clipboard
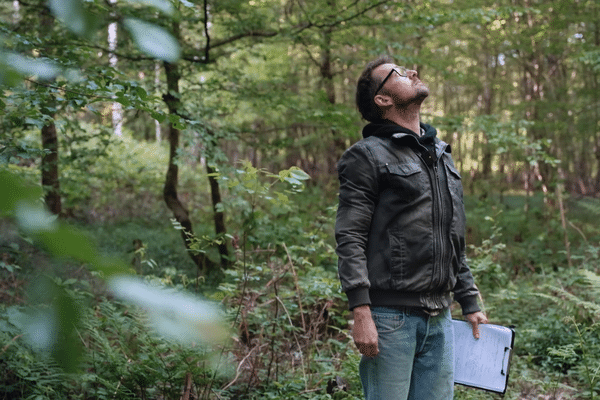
482, 363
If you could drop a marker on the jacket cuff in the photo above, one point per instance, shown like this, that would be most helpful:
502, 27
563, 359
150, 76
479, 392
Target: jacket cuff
358, 297
469, 304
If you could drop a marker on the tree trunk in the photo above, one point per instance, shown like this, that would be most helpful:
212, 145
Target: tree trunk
157, 129
117, 108
180, 213
338, 144
50, 176
49, 166
219, 216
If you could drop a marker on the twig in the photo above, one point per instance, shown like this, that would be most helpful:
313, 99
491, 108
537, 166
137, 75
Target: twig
297, 287
578, 230
296, 339
239, 367
9, 343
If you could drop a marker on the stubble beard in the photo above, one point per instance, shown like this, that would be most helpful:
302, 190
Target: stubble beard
421, 93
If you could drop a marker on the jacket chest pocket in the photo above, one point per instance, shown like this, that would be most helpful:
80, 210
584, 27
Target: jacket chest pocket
454, 183
406, 181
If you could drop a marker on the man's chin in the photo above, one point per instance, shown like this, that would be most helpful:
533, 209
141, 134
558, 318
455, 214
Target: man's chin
422, 92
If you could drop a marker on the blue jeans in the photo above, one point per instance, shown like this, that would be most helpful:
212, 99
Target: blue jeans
415, 360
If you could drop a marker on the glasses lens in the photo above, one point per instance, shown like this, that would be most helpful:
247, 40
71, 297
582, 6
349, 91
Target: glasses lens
402, 71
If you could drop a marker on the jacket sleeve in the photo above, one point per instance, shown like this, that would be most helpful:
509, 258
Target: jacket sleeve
359, 189
465, 290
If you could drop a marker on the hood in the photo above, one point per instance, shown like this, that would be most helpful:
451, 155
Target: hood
385, 128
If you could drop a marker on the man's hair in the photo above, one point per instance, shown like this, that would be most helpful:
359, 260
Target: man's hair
365, 89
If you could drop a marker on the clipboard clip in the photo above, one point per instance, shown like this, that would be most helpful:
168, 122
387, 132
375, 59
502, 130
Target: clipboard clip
506, 350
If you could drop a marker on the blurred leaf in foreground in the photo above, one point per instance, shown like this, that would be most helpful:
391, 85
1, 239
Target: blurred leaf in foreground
173, 314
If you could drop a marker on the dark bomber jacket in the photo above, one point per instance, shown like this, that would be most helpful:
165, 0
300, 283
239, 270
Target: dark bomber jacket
400, 226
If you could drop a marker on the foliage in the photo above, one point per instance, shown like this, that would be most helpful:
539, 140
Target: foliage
54, 327
485, 264
579, 351
122, 358
83, 21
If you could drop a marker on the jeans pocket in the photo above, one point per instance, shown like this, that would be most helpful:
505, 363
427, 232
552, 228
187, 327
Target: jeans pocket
388, 322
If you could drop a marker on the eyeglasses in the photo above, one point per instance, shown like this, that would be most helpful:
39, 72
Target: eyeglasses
402, 71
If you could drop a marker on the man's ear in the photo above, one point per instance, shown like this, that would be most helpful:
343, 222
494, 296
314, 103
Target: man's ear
382, 100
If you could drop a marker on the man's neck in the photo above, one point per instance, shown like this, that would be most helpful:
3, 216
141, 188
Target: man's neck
408, 118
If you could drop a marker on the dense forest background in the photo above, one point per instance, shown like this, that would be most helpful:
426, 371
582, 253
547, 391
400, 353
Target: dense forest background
168, 188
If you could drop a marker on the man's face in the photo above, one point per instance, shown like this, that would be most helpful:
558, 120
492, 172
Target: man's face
402, 89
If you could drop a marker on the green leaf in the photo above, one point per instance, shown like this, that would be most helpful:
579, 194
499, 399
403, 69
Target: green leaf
14, 191
74, 16
67, 349
160, 117
163, 5
67, 242
293, 181
299, 174
153, 40
142, 94
176, 121
34, 218
28, 66
8, 76
52, 329
173, 314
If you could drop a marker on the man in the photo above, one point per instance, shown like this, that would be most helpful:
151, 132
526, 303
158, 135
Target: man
400, 233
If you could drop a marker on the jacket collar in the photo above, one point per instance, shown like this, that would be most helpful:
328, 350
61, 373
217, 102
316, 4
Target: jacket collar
387, 129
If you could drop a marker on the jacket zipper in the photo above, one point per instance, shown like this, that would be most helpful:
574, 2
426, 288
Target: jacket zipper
438, 234
438, 222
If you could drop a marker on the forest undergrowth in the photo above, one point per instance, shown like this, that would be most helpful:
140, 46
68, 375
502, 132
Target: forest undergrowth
289, 323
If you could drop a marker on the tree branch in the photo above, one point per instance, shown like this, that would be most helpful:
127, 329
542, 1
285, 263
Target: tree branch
69, 91
245, 35
119, 55
299, 28
342, 20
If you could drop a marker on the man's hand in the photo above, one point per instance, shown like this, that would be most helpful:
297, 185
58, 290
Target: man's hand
475, 319
365, 332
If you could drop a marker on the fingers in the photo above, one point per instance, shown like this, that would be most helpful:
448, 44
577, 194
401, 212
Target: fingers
475, 319
365, 332
368, 349
475, 325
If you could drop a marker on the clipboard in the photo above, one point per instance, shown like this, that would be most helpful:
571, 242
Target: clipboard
483, 363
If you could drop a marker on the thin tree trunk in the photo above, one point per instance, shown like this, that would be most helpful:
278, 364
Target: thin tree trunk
50, 175
596, 119
49, 166
117, 108
180, 213
218, 216
16, 16
338, 145
157, 129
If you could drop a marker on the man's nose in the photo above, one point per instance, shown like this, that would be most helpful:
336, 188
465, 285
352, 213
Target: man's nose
411, 73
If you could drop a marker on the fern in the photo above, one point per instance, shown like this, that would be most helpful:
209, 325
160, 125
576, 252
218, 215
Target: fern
586, 348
